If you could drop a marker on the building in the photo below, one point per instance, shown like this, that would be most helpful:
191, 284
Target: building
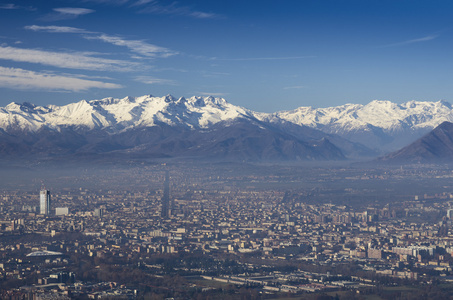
61, 211
45, 202
450, 214
374, 253
166, 205
98, 212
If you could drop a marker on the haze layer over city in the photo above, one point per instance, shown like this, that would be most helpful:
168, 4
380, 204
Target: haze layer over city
154, 149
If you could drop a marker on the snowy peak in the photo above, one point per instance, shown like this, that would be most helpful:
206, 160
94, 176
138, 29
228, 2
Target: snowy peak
380, 124
121, 114
386, 115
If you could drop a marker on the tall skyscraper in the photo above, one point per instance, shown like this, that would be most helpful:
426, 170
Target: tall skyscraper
166, 206
98, 212
44, 202
450, 214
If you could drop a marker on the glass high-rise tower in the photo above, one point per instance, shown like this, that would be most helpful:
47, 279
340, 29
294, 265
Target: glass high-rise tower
44, 202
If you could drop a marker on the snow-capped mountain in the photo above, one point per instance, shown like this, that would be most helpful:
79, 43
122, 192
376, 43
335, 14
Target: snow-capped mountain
166, 126
158, 127
382, 125
122, 114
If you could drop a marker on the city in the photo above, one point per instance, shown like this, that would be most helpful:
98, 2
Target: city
179, 150
219, 233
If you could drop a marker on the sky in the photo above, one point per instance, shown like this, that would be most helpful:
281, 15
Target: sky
263, 55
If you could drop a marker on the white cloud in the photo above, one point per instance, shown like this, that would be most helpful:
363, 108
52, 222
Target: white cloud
66, 13
413, 41
14, 6
153, 80
111, 2
202, 15
142, 2
153, 7
9, 6
137, 46
74, 11
24, 79
57, 29
79, 61
264, 58
295, 87
212, 94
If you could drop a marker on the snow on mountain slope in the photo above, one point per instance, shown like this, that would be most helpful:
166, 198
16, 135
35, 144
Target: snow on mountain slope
380, 124
121, 114
383, 114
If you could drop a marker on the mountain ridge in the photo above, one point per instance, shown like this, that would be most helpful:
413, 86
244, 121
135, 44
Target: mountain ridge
382, 126
436, 146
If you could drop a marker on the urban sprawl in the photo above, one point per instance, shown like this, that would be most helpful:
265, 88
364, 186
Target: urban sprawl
184, 240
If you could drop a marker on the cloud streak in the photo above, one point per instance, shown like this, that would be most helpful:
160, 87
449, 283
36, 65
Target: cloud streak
156, 7
295, 87
153, 7
413, 41
263, 58
79, 61
136, 46
56, 29
11, 6
66, 13
74, 11
108, 2
153, 80
213, 94
29, 80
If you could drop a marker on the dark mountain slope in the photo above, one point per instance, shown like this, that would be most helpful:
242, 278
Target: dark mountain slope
436, 146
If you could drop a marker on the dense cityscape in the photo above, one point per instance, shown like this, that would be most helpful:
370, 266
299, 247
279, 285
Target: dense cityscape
230, 235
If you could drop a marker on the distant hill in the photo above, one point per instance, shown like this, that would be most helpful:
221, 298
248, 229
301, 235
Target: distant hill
436, 146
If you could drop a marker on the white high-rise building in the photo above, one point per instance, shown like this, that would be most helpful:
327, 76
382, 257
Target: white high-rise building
44, 202
450, 213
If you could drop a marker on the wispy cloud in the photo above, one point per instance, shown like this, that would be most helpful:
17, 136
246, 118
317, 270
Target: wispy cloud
136, 46
29, 80
212, 94
66, 13
295, 87
81, 61
56, 29
108, 2
153, 80
154, 7
413, 41
209, 74
14, 6
142, 2
75, 11
263, 58
9, 6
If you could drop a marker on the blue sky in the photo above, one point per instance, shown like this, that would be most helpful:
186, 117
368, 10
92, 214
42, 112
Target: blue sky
263, 55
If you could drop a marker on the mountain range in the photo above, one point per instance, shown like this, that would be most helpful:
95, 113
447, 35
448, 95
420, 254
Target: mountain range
434, 147
212, 128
